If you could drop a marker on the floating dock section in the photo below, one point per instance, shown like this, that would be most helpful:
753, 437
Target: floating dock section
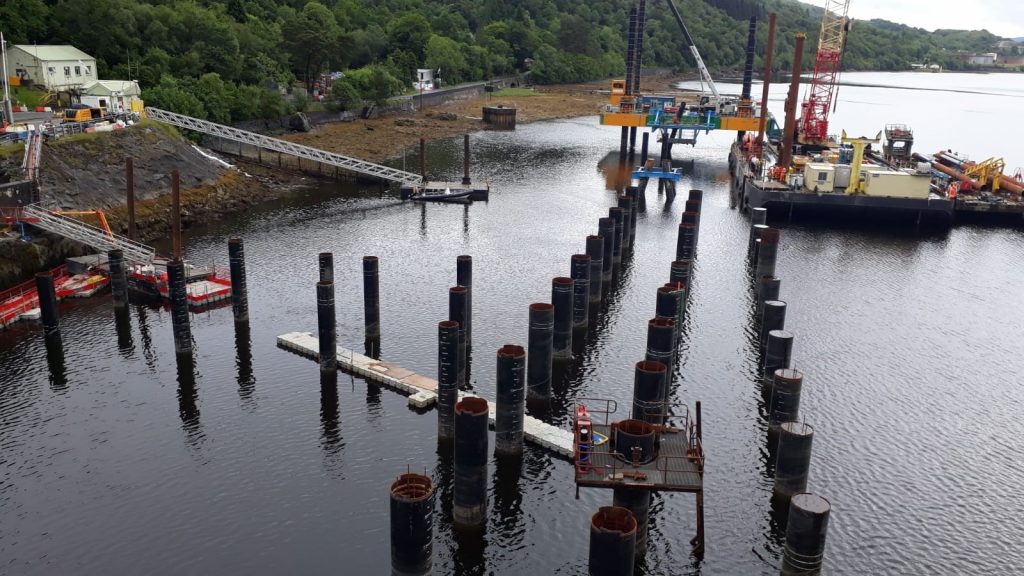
421, 389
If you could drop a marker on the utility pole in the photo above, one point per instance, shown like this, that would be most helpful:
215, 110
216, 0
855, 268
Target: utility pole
8, 108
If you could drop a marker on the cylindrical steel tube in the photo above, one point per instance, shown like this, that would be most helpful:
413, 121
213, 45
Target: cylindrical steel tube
649, 384
326, 325
606, 229
457, 307
661, 334
758, 216
755, 236
447, 377
633, 193
326, 262
680, 297
617, 215
638, 502
793, 458
371, 297
539, 343
767, 253
612, 539
177, 250
423, 157
805, 535
772, 318
767, 289
580, 273
465, 160
680, 272
47, 303
685, 241
239, 291
470, 499
595, 249
783, 401
412, 525
693, 206
778, 352
179, 307
464, 277
626, 204
510, 399
118, 278
562, 299
667, 303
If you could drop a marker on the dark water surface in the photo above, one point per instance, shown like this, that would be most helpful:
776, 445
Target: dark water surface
115, 460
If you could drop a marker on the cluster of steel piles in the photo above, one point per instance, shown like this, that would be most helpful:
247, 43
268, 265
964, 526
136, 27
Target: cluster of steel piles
789, 439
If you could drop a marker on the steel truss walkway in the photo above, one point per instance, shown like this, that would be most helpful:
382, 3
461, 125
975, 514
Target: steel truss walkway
86, 234
285, 147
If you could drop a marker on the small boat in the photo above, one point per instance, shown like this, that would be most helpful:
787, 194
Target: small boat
439, 195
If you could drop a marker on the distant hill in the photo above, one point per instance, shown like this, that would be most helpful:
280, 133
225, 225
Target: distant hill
213, 58
1021, 39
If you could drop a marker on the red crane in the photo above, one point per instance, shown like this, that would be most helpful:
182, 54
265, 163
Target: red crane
831, 41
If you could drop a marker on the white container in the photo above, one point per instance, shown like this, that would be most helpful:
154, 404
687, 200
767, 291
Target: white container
842, 176
820, 177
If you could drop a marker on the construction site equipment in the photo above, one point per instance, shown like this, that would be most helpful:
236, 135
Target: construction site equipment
80, 113
858, 159
100, 239
831, 42
99, 216
713, 101
284, 147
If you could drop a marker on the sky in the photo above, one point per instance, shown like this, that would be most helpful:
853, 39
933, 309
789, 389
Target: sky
1001, 17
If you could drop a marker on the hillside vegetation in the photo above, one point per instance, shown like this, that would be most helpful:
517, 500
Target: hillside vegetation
215, 59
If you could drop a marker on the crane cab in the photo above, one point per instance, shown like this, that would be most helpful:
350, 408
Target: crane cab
618, 91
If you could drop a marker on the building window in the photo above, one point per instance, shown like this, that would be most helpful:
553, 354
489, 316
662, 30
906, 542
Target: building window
67, 70
88, 70
78, 70
51, 70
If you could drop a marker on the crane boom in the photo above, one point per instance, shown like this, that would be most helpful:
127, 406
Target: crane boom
693, 50
831, 41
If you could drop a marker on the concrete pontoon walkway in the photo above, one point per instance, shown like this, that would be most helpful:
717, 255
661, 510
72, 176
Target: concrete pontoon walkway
422, 390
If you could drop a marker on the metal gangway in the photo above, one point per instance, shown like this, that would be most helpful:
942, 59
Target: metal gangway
89, 235
283, 146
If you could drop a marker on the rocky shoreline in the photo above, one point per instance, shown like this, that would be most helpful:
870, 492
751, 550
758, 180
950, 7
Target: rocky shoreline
88, 173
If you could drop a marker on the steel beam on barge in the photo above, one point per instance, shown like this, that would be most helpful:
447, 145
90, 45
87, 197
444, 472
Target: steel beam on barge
422, 390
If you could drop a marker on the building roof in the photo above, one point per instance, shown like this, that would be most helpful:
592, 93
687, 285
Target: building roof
108, 87
54, 52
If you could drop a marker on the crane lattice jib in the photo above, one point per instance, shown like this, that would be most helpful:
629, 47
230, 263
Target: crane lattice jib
284, 146
826, 68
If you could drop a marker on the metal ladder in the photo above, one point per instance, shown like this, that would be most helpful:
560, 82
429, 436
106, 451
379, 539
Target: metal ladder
283, 146
89, 235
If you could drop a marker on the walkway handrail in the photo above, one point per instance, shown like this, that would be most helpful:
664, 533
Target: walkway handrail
87, 234
283, 146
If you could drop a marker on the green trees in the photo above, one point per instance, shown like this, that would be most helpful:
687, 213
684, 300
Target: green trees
219, 58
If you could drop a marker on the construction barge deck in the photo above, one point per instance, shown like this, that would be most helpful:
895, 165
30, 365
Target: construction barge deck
931, 198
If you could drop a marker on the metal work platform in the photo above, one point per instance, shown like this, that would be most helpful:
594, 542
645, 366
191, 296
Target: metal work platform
284, 147
658, 173
674, 470
675, 464
422, 390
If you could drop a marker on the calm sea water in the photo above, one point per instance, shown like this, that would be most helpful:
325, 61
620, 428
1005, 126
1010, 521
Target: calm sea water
115, 459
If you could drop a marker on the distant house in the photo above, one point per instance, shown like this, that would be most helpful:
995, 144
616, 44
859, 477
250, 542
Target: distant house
114, 95
55, 67
987, 59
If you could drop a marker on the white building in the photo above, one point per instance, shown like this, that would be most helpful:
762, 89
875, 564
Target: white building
55, 67
115, 95
987, 59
